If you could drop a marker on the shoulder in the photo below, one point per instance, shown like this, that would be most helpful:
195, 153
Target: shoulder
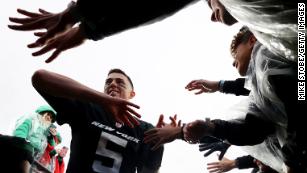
145, 125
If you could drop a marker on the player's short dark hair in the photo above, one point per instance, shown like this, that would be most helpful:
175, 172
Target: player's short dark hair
241, 37
117, 70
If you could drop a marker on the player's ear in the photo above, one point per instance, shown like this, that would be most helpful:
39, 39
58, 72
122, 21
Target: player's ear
252, 40
132, 94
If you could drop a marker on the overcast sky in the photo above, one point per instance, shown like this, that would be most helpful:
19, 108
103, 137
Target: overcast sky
160, 58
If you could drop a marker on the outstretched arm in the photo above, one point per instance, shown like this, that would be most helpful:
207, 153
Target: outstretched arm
105, 18
240, 132
225, 86
164, 132
63, 87
98, 19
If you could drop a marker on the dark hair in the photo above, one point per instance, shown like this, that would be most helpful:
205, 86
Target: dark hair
241, 37
53, 116
117, 70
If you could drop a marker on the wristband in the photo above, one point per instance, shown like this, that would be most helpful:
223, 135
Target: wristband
181, 133
221, 85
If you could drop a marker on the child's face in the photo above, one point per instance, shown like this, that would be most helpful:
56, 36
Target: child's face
242, 56
47, 118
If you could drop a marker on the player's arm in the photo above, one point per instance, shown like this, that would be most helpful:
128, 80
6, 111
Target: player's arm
58, 86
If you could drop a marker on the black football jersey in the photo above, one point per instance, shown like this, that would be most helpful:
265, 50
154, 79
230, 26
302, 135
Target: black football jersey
101, 145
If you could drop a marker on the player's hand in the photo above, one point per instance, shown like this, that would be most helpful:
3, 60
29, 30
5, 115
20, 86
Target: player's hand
73, 37
173, 122
122, 111
203, 86
160, 136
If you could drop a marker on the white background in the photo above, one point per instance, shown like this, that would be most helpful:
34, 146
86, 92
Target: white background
160, 58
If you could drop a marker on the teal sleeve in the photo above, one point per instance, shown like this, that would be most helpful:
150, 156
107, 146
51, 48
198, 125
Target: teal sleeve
23, 129
59, 137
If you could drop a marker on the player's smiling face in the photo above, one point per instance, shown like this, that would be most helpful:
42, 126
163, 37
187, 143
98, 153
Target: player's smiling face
118, 85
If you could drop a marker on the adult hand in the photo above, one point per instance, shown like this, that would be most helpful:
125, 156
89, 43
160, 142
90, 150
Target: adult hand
203, 86
73, 37
215, 146
54, 23
173, 122
160, 136
224, 165
195, 130
122, 111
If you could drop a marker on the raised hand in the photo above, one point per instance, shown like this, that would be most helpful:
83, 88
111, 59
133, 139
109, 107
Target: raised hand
213, 146
224, 165
160, 136
173, 123
164, 132
203, 86
71, 38
54, 23
122, 111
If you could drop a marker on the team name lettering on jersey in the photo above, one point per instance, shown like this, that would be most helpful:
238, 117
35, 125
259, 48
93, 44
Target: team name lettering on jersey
105, 127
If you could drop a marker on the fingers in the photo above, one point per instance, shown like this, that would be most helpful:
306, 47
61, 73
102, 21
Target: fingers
133, 120
43, 11
199, 92
179, 123
209, 152
39, 34
215, 170
21, 20
52, 32
221, 155
157, 145
133, 105
44, 50
213, 165
34, 45
189, 84
54, 55
126, 121
173, 121
205, 88
160, 122
33, 25
133, 112
150, 135
204, 147
27, 13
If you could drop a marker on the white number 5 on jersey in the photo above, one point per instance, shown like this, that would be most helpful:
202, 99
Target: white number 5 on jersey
103, 151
